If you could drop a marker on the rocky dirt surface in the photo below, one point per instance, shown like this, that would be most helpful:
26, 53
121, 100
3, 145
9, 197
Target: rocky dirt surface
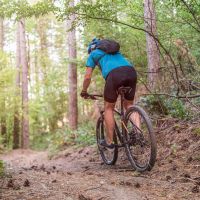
78, 173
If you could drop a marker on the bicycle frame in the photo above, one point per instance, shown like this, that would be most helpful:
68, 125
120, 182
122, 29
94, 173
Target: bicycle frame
121, 113
122, 133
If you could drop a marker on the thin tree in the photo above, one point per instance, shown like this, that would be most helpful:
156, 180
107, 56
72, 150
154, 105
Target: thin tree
72, 72
16, 129
1, 34
153, 54
24, 63
3, 106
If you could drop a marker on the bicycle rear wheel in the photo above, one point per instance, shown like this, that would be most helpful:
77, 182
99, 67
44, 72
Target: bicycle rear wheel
109, 156
140, 139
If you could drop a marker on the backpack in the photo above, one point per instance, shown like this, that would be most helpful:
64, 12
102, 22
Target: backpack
108, 46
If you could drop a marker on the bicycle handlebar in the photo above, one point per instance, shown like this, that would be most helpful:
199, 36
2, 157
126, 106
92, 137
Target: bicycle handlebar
93, 96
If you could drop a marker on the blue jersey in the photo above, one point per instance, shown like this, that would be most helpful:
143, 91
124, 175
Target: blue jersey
107, 62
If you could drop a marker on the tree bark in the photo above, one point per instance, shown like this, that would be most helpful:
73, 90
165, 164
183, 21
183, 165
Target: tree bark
72, 73
24, 63
153, 53
3, 106
16, 129
1, 34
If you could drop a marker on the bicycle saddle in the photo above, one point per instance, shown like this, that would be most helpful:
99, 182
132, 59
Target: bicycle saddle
123, 90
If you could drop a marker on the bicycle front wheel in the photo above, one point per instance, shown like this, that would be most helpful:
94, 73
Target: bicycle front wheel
140, 139
109, 156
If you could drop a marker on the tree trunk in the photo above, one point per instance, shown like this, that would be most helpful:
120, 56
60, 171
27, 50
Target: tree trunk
25, 115
153, 53
1, 34
16, 128
72, 73
3, 106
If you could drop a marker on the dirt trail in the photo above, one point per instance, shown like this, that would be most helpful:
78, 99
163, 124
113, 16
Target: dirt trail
80, 174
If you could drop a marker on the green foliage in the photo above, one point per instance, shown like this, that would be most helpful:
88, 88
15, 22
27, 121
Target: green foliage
196, 131
154, 104
165, 106
63, 137
83, 136
178, 31
40, 141
22, 8
176, 108
46, 110
2, 169
7, 95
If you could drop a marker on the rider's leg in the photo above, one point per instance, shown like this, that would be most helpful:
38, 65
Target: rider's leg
127, 103
109, 121
135, 116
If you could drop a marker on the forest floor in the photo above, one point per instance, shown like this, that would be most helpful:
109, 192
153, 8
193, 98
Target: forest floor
78, 173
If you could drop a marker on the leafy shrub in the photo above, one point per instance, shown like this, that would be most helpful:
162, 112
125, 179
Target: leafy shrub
39, 141
165, 106
154, 104
83, 136
176, 108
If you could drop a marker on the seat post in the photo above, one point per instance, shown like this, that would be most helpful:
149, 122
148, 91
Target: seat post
122, 91
122, 105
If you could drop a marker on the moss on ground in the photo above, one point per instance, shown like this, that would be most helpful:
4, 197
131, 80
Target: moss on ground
196, 131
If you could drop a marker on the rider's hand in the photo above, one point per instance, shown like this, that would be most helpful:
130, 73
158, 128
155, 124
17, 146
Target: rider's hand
84, 94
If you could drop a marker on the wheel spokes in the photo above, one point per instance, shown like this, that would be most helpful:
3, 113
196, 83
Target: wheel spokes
138, 139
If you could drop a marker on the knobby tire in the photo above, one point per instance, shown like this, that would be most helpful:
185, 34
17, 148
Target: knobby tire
100, 134
153, 147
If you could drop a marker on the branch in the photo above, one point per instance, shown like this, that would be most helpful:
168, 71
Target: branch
193, 104
190, 24
113, 20
140, 29
191, 12
174, 96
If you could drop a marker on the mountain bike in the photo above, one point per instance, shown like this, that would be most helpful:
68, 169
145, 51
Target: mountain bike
133, 131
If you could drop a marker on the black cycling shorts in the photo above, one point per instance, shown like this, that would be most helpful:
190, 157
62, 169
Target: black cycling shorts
122, 76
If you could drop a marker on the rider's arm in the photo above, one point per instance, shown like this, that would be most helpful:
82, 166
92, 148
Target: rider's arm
87, 78
91, 63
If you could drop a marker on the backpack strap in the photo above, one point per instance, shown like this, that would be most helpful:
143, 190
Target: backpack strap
97, 61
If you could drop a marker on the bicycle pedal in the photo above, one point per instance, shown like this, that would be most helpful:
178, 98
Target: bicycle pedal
107, 149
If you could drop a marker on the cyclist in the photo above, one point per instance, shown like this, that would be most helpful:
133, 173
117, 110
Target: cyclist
117, 71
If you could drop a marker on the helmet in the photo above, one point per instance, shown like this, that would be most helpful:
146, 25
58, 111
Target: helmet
93, 45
